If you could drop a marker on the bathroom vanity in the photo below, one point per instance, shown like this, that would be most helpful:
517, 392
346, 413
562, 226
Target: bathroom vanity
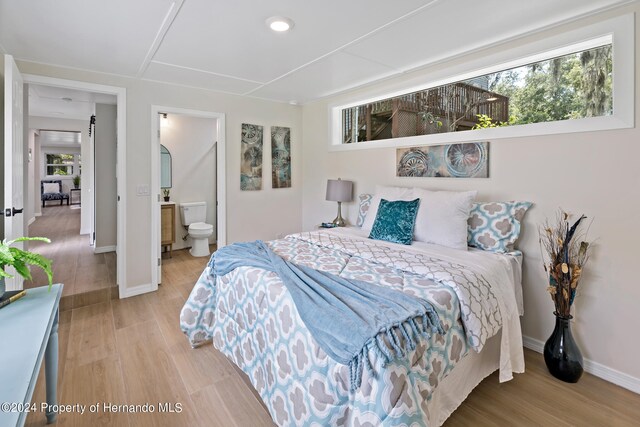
168, 225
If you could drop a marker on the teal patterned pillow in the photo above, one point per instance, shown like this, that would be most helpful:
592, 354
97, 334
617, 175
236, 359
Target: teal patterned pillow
395, 221
495, 226
363, 208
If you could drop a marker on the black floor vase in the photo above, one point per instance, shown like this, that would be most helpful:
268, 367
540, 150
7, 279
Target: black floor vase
561, 353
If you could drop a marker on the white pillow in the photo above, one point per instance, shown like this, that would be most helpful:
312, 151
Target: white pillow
442, 217
50, 187
388, 193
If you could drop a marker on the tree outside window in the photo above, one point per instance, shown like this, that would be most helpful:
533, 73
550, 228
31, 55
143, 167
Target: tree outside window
59, 164
573, 86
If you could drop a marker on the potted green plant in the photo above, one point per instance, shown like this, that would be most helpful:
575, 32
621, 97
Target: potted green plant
20, 260
165, 193
76, 181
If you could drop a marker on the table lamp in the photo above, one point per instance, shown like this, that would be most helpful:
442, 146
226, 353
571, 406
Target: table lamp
339, 191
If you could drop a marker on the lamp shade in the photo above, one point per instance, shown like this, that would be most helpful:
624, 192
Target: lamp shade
339, 190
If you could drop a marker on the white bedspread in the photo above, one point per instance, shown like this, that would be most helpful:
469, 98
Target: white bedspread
502, 270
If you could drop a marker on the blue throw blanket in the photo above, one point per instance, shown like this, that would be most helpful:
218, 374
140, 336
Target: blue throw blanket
345, 317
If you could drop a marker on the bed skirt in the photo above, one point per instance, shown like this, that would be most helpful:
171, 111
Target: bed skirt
467, 374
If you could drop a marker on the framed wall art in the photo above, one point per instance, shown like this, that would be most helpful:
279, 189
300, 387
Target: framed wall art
251, 157
280, 157
464, 160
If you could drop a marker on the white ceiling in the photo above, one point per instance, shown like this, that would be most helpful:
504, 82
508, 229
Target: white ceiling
47, 101
59, 138
226, 46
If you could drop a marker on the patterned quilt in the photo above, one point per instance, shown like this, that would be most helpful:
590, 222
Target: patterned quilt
252, 319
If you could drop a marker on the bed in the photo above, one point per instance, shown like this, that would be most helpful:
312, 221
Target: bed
250, 317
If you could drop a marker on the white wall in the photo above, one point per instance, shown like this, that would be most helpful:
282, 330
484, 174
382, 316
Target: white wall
105, 177
39, 173
67, 180
192, 144
594, 173
27, 207
32, 199
246, 211
2, 144
82, 126
34, 190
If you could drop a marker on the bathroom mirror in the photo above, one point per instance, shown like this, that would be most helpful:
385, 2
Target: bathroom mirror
165, 167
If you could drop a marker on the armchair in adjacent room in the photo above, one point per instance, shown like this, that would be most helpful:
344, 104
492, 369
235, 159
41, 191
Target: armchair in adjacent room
51, 189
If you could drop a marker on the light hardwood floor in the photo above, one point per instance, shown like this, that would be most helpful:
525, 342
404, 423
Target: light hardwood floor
74, 264
131, 351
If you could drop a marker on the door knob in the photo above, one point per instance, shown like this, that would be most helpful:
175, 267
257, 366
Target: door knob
12, 211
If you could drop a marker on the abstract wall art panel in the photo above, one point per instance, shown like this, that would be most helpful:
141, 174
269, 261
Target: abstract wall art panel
465, 160
251, 158
280, 157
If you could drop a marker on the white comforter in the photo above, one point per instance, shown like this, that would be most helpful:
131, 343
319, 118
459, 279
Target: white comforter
503, 271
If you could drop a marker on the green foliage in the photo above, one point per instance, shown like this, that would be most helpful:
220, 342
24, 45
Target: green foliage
430, 118
485, 122
569, 87
548, 94
76, 180
20, 259
597, 67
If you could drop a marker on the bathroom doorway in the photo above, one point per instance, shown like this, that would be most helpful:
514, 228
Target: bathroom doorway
188, 215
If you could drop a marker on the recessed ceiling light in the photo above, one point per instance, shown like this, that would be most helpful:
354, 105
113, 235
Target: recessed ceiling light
66, 98
280, 23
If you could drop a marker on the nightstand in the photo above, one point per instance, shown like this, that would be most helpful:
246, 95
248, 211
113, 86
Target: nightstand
79, 197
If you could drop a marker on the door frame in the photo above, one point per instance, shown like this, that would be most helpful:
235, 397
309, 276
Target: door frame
121, 159
221, 194
14, 149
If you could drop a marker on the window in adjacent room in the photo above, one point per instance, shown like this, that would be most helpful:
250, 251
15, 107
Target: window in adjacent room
61, 152
572, 86
60, 164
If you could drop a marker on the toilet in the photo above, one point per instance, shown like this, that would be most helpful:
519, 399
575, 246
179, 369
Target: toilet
193, 216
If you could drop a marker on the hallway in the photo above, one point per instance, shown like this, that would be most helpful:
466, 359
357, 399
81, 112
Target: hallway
74, 264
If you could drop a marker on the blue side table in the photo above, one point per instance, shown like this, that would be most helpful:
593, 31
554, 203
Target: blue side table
28, 332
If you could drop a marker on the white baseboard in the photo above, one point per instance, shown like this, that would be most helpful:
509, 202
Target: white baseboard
103, 249
37, 214
137, 290
84, 231
31, 221
599, 370
533, 344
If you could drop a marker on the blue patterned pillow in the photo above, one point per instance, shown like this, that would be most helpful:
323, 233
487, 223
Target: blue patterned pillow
363, 208
395, 221
495, 226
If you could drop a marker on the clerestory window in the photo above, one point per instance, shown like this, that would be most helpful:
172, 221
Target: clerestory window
567, 87
580, 81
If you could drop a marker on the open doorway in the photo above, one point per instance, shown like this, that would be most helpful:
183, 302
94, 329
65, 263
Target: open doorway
75, 210
70, 125
188, 171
